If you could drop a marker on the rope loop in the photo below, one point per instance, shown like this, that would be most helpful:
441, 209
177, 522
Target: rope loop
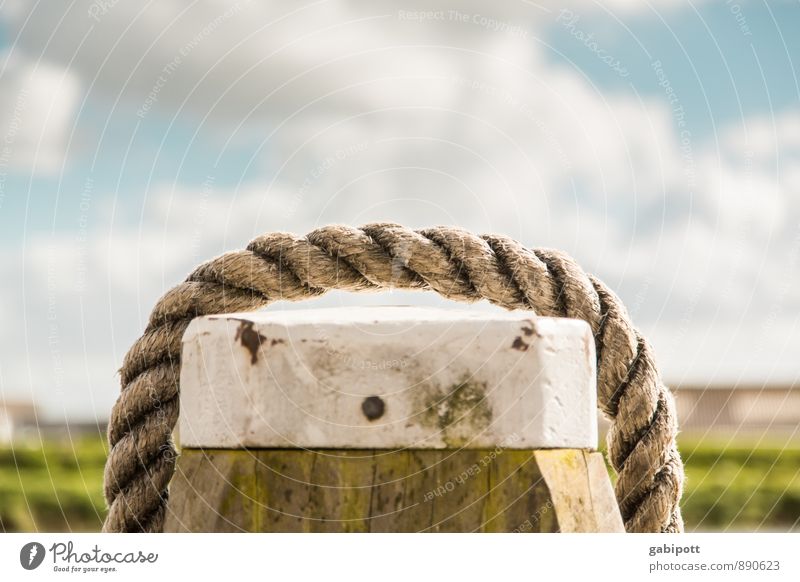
451, 261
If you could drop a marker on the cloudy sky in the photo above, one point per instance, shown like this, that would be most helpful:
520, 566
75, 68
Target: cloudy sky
657, 142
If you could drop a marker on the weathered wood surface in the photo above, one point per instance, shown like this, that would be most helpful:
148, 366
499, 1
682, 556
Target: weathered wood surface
333, 490
389, 420
388, 378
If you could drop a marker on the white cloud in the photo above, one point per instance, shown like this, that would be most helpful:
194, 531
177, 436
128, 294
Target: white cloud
38, 102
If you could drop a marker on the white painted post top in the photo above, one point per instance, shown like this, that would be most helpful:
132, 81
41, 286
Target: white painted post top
388, 378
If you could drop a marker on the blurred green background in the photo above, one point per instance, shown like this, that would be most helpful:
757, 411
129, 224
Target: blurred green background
52, 486
743, 484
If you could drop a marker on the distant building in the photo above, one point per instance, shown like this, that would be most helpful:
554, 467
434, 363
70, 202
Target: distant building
20, 422
69, 431
16, 417
728, 410
739, 409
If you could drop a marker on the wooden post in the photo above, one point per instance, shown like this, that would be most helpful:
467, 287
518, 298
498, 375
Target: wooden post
389, 419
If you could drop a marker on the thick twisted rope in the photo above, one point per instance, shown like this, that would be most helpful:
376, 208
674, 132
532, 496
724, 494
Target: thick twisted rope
450, 261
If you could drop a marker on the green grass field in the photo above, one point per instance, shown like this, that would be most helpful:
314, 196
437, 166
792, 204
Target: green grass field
741, 486
55, 487
730, 487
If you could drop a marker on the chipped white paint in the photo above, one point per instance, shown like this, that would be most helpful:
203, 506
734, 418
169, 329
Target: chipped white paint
445, 379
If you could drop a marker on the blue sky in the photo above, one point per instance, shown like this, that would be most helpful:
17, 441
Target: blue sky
427, 120
720, 73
